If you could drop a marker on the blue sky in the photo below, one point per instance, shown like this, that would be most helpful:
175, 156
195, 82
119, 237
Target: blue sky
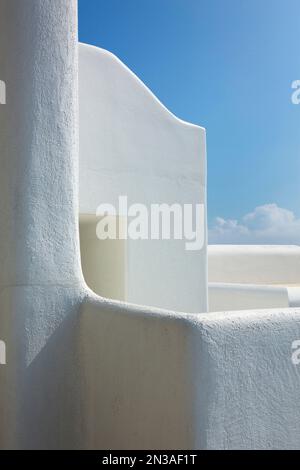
227, 65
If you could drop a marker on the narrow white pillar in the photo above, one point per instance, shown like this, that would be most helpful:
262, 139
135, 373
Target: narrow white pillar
40, 275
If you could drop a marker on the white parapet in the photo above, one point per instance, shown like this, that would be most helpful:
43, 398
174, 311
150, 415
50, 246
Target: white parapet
224, 296
254, 264
131, 145
161, 380
243, 277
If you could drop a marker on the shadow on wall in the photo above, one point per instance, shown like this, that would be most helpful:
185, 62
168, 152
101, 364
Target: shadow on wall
40, 406
103, 261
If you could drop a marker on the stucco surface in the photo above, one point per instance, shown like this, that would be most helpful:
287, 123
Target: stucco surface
40, 281
214, 381
83, 371
130, 144
250, 380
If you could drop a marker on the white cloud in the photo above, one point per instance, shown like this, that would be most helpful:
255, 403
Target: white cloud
267, 224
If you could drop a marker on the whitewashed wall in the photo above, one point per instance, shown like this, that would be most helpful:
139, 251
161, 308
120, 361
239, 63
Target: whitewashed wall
130, 144
243, 277
161, 380
254, 264
224, 296
85, 372
40, 281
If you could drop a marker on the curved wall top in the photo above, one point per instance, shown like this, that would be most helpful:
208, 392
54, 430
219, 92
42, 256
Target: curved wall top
130, 144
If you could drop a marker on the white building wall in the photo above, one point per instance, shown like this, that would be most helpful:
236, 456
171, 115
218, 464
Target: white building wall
254, 264
224, 296
243, 277
40, 278
162, 380
130, 144
85, 372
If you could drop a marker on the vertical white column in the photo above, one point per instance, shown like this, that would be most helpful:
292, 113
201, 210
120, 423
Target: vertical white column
40, 274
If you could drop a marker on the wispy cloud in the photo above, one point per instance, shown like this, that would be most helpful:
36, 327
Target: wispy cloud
267, 224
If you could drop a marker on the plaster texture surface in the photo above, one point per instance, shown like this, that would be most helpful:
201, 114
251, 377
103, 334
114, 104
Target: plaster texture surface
210, 381
83, 371
130, 144
40, 281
